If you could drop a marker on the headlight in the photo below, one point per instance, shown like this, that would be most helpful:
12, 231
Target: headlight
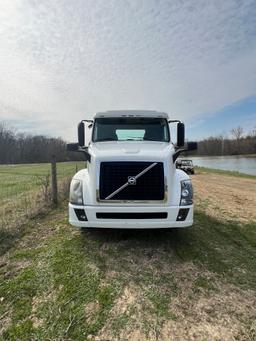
186, 197
76, 192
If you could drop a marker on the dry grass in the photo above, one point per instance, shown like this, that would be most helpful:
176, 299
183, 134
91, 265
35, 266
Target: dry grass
25, 194
226, 197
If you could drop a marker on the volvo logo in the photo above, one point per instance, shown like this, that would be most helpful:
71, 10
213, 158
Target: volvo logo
131, 180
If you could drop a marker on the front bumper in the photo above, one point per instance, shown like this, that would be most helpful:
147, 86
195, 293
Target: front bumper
92, 212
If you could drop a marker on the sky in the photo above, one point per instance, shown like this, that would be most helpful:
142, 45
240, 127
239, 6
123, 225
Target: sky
62, 61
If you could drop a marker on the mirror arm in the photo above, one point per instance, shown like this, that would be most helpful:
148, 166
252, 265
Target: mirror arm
74, 147
85, 151
174, 121
90, 121
189, 147
177, 153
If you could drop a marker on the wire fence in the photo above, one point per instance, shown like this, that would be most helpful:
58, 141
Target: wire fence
26, 190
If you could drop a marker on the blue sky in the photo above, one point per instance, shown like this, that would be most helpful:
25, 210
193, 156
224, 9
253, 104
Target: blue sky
61, 61
242, 113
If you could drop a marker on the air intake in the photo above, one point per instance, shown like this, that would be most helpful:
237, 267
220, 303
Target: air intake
135, 215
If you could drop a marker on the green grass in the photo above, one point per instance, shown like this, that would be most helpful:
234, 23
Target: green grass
17, 179
66, 271
248, 155
224, 172
26, 192
58, 283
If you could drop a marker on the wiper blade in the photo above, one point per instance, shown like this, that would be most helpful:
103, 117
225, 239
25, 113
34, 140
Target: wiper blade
134, 139
106, 139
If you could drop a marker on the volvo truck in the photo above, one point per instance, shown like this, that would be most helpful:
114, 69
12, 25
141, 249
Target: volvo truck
130, 179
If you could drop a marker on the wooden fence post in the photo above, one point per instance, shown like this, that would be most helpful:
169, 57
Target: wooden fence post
54, 181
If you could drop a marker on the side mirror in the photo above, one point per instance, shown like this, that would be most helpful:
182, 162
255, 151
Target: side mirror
81, 134
72, 147
191, 146
180, 135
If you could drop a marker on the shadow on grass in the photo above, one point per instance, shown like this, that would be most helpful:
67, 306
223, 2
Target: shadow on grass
10, 236
226, 248
143, 237
8, 239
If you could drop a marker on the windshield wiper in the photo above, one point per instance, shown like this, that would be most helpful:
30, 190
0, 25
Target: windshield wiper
105, 139
133, 139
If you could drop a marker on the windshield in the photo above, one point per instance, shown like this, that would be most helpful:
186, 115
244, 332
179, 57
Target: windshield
131, 129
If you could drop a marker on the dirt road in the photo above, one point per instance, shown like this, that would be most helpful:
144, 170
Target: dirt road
58, 283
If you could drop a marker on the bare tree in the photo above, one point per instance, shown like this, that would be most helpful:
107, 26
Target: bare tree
237, 133
253, 133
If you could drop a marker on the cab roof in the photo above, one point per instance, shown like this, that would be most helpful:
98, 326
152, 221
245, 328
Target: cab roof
132, 113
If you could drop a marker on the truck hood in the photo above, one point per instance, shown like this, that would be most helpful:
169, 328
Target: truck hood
131, 150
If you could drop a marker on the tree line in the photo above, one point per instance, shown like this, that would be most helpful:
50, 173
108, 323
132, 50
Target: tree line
237, 143
25, 148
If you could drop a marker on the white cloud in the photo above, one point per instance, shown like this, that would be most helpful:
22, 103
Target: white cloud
62, 61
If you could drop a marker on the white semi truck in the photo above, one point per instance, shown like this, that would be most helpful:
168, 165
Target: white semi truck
131, 180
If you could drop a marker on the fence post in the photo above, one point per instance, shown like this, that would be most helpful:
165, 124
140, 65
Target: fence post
54, 181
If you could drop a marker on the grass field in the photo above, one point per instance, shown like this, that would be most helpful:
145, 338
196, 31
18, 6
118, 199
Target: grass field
224, 172
248, 155
18, 179
58, 283
25, 192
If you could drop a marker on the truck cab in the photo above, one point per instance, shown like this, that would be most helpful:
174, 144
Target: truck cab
131, 180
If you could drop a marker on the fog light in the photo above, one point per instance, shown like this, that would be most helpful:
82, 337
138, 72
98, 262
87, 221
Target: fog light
80, 213
182, 215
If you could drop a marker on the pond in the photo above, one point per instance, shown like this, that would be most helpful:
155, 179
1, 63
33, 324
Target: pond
232, 163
